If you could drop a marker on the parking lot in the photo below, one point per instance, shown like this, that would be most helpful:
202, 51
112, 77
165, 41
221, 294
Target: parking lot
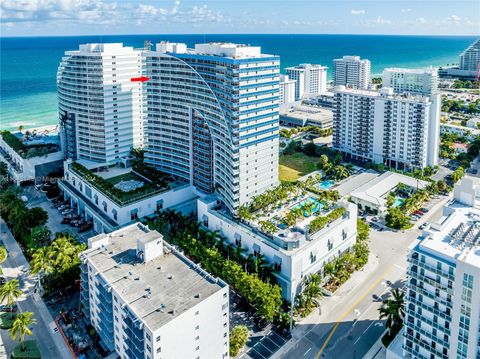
264, 338
57, 214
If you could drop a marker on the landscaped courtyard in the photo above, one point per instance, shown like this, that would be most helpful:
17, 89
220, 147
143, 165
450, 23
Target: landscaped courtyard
291, 211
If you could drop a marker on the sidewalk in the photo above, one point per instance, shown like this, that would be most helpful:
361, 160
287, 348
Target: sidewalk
51, 344
377, 351
327, 305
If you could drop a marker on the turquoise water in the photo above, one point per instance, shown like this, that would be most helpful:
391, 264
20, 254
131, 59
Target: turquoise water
398, 202
326, 184
29, 65
317, 205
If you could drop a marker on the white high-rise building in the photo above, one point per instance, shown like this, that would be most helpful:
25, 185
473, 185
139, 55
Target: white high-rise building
443, 287
351, 71
100, 107
311, 79
470, 58
414, 81
213, 117
401, 131
146, 300
287, 89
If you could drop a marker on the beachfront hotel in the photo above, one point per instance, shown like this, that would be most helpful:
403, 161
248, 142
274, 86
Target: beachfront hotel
100, 107
351, 71
311, 79
442, 307
213, 117
147, 300
415, 81
212, 146
398, 130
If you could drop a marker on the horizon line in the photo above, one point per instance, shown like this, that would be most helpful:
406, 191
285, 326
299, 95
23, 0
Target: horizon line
237, 34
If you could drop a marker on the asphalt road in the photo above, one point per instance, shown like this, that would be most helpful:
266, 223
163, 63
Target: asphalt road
51, 345
351, 327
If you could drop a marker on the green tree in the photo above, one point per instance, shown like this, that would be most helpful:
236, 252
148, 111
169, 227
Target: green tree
393, 310
59, 261
41, 235
37, 216
457, 174
10, 291
244, 212
21, 327
238, 339
323, 161
3, 254
396, 218
442, 186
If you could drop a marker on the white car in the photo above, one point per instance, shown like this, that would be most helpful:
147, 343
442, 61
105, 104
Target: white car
425, 226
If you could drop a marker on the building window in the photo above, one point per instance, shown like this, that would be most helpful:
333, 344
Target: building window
159, 349
157, 339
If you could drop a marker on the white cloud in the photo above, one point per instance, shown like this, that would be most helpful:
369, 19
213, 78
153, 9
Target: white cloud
357, 12
455, 19
406, 10
376, 22
421, 20
86, 11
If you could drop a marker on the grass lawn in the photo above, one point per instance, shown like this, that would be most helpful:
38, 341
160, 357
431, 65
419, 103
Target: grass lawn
31, 351
6, 320
125, 177
292, 167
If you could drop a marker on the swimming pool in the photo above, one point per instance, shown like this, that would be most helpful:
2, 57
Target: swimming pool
316, 205
398, 202
326, 184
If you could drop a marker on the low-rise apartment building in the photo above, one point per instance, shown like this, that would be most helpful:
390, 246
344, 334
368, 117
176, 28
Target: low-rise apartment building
33, 158
146, 300
294, 252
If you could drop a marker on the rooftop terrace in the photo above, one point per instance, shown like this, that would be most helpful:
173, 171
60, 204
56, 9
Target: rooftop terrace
456, 235
156, 291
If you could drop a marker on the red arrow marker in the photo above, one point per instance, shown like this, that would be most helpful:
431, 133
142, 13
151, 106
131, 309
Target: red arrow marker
140, 79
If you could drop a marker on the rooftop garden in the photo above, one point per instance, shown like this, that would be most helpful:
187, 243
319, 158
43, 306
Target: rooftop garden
292, 205
29, 151
157, 182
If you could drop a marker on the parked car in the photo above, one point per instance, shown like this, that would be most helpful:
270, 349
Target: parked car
424, 210
374, 219
426, 225
3, 280
9, 308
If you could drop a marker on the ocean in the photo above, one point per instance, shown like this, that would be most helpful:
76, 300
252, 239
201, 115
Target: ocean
29, 64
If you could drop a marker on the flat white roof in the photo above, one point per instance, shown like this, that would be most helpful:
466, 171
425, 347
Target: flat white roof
376, 190
456, 236
157, 291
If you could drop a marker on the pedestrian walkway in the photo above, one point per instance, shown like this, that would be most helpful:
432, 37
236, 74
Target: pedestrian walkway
51, 344
377, 351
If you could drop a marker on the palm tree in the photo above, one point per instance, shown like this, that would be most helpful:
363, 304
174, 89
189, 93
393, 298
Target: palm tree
245, 213
3, 254
394, 311
20, 327
10, 291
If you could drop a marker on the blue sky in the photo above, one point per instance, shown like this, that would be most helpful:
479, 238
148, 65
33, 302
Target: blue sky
91, 17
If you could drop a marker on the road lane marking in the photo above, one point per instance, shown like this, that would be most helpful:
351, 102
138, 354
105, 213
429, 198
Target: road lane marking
361, 335
400, 267
307, 351
347, 312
